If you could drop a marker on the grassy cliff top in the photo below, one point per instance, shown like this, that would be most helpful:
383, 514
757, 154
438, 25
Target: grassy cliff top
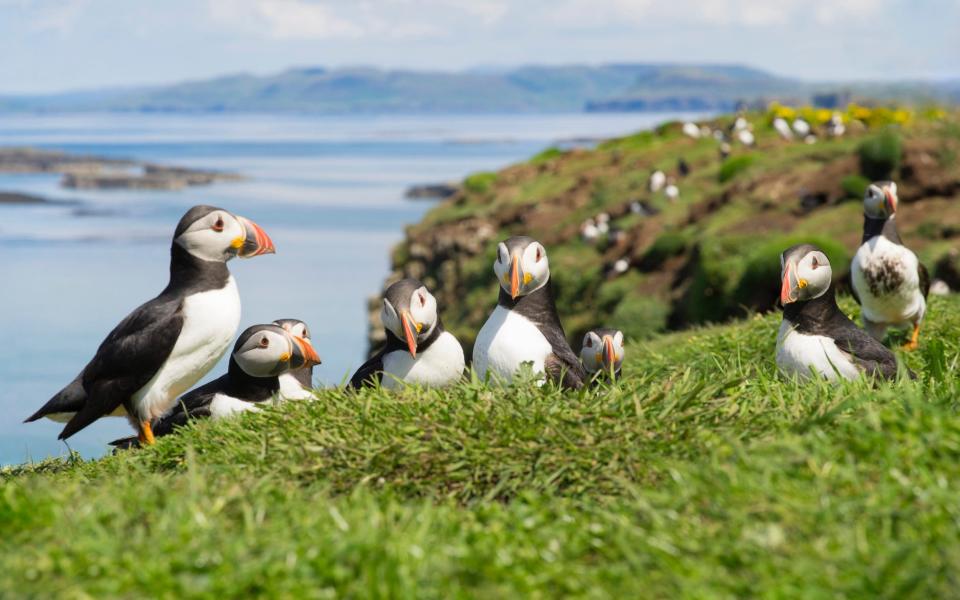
702, 474
711, 255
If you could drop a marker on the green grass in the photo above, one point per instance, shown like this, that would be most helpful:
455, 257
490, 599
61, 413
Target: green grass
703, 474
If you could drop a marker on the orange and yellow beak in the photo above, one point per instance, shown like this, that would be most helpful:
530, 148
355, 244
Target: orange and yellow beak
254, 242
410, 330
890, 200
609, 355
515, 278
786, 289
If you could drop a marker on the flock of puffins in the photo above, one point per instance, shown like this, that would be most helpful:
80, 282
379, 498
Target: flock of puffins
146, 365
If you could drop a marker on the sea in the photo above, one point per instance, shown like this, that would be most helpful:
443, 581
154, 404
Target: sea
329, 190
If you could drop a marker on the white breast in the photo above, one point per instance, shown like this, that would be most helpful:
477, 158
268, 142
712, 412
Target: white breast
798, 353
225, 406
899, 306
505, 342
291, 389
439, 365
210, 321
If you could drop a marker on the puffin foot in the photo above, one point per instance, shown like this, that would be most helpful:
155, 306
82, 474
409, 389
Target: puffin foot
146, 434
914, 342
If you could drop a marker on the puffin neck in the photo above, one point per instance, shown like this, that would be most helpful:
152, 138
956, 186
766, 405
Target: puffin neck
806, 315
256, 388
872, 227
189, 273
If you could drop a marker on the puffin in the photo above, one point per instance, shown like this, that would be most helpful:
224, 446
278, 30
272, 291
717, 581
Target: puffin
297, 384
815, 336
525, 327
261, 356
419, 350
161, 349
602, 353
888, 280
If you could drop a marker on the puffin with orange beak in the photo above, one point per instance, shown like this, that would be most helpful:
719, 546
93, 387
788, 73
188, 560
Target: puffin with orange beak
888, 280
525, 328
297, 384
261, 356
419, 350
815, 337
602, 353
163, 348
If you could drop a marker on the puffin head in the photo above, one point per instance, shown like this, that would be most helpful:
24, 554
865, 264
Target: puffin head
296, 327
521, 266
805, 273
880, 200
602, 350
213, 234
270, 350
409, 312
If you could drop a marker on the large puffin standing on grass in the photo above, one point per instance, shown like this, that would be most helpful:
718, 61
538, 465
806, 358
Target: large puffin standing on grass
888, 280
166, 345
296, 384
419, 350
602, 353
815, 336
262, 355
524, 327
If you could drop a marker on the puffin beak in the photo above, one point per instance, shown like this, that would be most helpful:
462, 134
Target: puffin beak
408, 332
891, 201
515, 278
254, 242
303, 354
786, 289
609, 356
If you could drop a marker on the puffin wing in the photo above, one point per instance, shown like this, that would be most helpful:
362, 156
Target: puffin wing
924, 279
369, 372
130, 356
69, 400
866, 352
563, 365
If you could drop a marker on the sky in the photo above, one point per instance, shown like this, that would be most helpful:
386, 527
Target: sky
55, 45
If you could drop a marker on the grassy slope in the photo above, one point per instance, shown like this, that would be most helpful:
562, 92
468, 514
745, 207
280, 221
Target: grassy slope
702, 475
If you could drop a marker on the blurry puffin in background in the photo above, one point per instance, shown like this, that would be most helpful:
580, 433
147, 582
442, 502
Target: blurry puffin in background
297, 384
525, 327
888, 280
165, 346
418, 350
815, 336
602, 353
262, 354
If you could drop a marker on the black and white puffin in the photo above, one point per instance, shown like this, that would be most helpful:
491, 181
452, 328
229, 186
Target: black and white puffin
262, 355
418, 350
888, 280
602, 353
296, 384
815, 336
525, 327
161, 349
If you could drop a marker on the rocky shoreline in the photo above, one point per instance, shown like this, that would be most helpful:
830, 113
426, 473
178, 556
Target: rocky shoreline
98, 173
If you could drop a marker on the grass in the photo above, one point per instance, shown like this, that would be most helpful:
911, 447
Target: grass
703, 474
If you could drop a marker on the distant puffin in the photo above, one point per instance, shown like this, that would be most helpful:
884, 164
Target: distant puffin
419, 350
602, 353
262, 355
297, 384
525, 327
166, 345
815, 335
888, 280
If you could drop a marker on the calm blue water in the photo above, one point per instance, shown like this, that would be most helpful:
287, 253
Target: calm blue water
328, 190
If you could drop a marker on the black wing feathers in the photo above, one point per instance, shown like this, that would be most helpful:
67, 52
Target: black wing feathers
875, 358
68, 400
129, 357
369, 372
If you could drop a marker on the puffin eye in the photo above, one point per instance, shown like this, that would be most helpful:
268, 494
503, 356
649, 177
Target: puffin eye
423, 300
264, 342
814, 263
589, 343
218, 226
539, 253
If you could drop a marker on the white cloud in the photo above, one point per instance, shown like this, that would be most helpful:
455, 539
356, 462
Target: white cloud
283, 19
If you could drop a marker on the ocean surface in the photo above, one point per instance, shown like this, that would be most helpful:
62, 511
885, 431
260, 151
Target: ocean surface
328, 190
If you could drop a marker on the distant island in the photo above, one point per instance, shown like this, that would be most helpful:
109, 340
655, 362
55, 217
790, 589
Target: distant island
573, 88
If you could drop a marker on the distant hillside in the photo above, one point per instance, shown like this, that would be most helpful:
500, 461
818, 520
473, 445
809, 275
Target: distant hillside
525, 89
